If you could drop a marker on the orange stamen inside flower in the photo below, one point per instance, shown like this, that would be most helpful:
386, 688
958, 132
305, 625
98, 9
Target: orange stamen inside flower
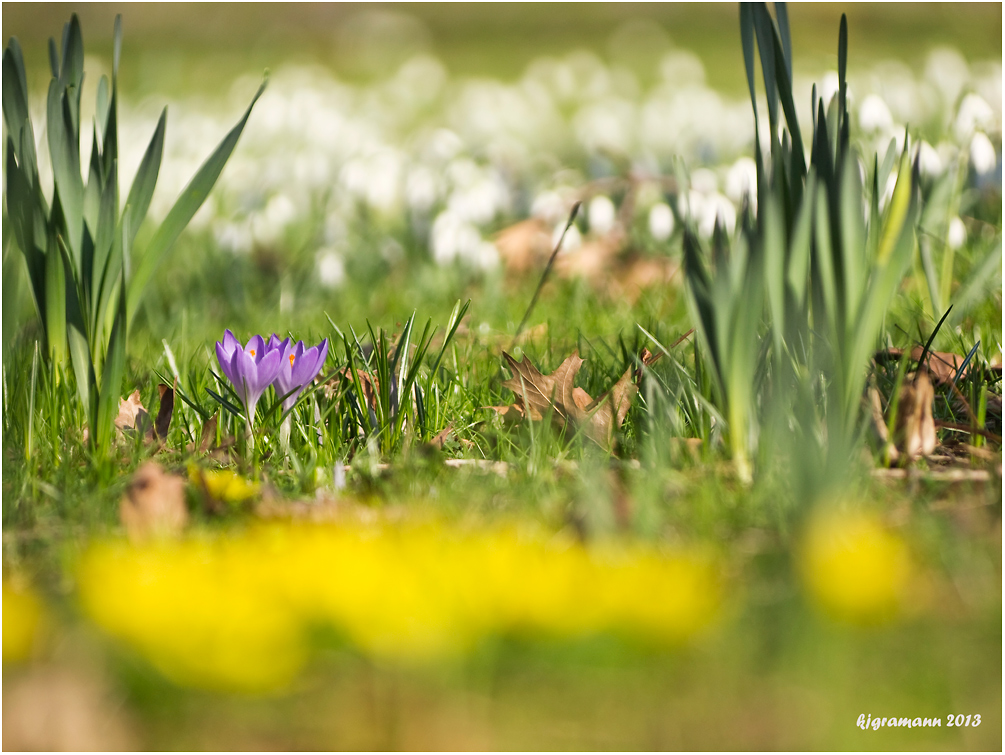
291, 360
252, 352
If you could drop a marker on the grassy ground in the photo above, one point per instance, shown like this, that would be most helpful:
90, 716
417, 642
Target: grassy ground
779, 666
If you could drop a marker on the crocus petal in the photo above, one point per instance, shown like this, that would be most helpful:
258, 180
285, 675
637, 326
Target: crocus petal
306, 366
267, 369
256, 348
226, 360
230, 343
275, 343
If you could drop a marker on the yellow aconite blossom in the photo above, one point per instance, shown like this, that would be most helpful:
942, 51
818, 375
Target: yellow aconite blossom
22, 616
233, 612
223, 484
854, 568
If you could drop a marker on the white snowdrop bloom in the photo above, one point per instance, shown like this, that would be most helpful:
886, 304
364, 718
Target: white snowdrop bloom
549, 207
453, 237
423, 76
330, 268
476, 203
741, 180
661, 221
974, 113
874, 115
681, 67
601, 214
573, 238
957, 234
929, 161
375, 178
422, 188
606, 125
716, 208
486, 256
280, 210
591, 77
704, 181
233, 238
691, 204
829, 86
983, 157
948, 71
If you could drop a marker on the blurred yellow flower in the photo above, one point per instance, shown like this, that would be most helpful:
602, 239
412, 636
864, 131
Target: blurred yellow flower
22, 617
223, 485
234, 612
854, 568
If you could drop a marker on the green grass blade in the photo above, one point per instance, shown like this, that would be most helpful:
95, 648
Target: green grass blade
185, 207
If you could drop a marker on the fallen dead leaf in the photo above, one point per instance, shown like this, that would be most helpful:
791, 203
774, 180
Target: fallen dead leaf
593, 260
154, 504
132, 415
163, 421
524, 246
942, 365
890, 452
914, 434
571, 406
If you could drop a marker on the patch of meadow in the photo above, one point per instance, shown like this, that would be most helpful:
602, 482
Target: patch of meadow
346, 489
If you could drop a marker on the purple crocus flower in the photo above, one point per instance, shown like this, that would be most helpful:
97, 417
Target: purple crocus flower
250, 368
299, 366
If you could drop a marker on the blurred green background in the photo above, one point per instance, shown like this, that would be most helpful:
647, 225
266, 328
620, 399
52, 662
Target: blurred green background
200, 47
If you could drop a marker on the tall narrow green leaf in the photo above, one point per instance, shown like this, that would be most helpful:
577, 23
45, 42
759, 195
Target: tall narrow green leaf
142, 190
185, 207
852, 237
65, 152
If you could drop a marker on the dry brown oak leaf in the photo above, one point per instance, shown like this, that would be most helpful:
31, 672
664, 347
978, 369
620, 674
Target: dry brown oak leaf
572, 407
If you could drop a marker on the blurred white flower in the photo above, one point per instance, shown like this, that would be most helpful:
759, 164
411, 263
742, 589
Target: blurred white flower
486, 256
874, 115
601, 214
741, 180
957, 234
549, 207
983, 157
452, 237
704, 181
974, 113
716, 209
233, 238
829, 86
680, 68
606, 125
573, 238
948, 70
422, 188
929, 161
661, 221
